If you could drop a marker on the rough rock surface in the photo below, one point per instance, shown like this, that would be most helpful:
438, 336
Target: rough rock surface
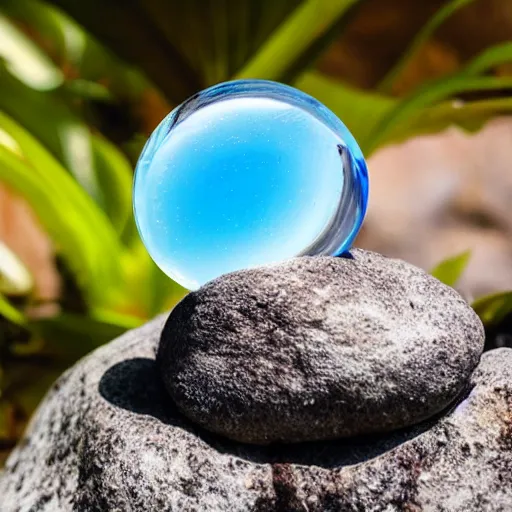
107, 438
319, 348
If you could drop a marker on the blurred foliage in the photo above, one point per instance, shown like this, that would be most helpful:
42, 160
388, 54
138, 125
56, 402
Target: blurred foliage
81, 86
450, 270
492, 309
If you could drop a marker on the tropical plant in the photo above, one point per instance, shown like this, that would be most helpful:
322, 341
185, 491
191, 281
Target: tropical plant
73, 78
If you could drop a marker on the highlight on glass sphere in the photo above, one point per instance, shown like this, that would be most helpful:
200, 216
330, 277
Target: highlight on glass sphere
247, 173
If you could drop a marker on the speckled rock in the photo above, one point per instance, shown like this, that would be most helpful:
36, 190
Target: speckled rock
107, 438
319, 348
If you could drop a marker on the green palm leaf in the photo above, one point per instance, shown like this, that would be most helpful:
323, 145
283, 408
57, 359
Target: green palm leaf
80, 229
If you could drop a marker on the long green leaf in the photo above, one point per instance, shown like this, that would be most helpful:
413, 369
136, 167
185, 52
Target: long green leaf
95, 163
288, 43
375, 119
450, 270
468, 115
53, 123
8, 311
489, 58
430, 94
48, 116
42, 160
62, 221
115, 177
493, 308
423, 35
81, 231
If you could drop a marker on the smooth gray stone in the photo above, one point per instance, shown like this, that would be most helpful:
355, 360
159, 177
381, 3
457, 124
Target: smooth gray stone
107, 438
319, 348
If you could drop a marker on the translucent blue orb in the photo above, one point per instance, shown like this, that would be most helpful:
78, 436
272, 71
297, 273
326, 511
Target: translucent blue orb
247, 173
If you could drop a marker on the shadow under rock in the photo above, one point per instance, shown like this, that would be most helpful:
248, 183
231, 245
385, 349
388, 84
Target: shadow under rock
134, 385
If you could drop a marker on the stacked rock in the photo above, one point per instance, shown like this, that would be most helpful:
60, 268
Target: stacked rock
319, 348
318, 384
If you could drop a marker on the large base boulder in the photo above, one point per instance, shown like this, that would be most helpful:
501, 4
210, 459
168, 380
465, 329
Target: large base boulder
108, 438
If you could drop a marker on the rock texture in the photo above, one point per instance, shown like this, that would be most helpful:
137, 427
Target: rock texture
319, 348
107, 438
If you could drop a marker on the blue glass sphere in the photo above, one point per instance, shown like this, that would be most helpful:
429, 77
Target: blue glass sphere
247, 173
